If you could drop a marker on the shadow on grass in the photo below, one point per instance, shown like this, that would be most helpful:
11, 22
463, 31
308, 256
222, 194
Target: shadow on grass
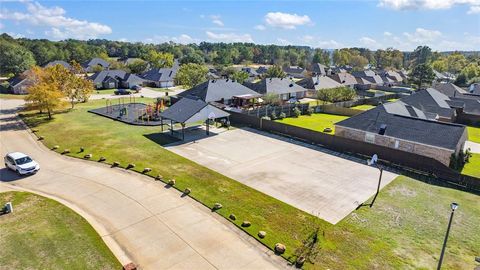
35, 119
161, 138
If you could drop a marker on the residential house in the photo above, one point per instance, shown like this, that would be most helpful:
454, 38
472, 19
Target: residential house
391, 77
449, 89
58, 62
295, 72
367, 79
252, 73
443, 76
401, 126
345, 79
262, 70
319, 70
285, 88
319, 82
19, 84
95, 63
433, 102
110, 79
224, 91
161, 77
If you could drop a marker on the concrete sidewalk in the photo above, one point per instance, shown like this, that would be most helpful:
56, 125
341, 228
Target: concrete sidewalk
140, 220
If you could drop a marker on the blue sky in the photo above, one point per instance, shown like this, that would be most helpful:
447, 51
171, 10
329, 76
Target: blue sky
402, 24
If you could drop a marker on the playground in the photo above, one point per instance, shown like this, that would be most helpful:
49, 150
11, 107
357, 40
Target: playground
128, 111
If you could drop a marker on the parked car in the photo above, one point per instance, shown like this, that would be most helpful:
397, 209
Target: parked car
21, 163
136, 88
122, 92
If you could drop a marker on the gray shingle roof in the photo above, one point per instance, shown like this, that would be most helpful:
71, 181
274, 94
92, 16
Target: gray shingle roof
58, 62
320, 69
94, 62
344, 78
430, 100
188, 110
369, 75
162, 74
116, 74
276, 86
216, 90
429, 132
319, 82
449, 89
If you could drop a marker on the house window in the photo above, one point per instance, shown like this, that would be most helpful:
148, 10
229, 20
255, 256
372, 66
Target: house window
370, 137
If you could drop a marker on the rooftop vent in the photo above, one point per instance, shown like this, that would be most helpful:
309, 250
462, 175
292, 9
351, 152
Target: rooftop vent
291, 85
383, 127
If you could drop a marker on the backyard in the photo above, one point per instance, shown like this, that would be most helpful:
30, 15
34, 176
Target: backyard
316, 121
472, 167
473, 134
43, 234
364, 107
404, 228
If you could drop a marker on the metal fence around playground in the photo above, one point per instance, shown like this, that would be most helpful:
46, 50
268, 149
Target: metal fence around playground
406, 161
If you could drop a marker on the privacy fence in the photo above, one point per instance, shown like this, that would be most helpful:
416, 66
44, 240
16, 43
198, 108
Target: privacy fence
400, 159
287, 109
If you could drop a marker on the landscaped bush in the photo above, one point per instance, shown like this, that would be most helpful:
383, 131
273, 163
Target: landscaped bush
296, 112
273, 116
310, 111
282, 115
266, 118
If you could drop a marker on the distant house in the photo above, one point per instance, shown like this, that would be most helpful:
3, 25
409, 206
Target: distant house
404, 127
433, 102
449, 89
262, 70
319, 82
295, 72
91, 65
285, 88
109, 79
474, 89
58, 62
161, 77
368, 79
319, 70
391, 77
223, 91
252, 73
443, 76
19, 84
345, 79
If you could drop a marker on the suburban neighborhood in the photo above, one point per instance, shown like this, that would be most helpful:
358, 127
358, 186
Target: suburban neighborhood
184, 142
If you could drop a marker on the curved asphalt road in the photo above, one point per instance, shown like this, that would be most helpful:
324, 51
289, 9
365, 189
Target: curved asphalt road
139, 219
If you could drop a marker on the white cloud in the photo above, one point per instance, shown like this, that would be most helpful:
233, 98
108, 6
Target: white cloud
422, 35
60, 26
260, 27
182, 39
428, 4
387, 34
317, 42
286, 20
216, 19
229, 37
474, 10
369, 43
15, 35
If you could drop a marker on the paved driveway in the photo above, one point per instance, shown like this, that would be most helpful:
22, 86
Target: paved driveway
301, 175
139, 219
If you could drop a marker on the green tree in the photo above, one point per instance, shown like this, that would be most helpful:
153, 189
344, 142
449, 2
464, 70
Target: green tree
358, 62
422, 74
240, 76
159, 59
472, 70
275, 72
14, 58
439, 65
322, 57
191, 75
456, 62
421, 55
271, 99
138, 66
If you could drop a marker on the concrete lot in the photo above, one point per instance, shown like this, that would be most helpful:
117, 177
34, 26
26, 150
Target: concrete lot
301, 175
139, 219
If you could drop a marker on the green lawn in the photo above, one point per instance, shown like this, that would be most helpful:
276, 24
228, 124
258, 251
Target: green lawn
392, 99
105, 91
12, 96
473, 166
403, 230
364, 107
473, 134
316, 121
44, 234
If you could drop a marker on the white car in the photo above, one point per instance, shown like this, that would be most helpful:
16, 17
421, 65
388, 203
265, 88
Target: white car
21, 163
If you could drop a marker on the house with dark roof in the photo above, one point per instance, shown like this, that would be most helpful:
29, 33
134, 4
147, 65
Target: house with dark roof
161, 77
443, 76
285, 88
222, 91
58, 62
110, 79
94, 63
432, 101
404, 127
319, 70
295, 72
252, 73
474, 88
19, 84
344, 78
450, 89
368, 79
319, 82
262, 70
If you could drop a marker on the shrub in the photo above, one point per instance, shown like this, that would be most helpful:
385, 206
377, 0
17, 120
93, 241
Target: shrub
282, 115
273, 116
296, 112
266, 118
310, 111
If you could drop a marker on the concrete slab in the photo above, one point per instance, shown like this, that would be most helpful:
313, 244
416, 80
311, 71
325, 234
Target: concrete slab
302, 175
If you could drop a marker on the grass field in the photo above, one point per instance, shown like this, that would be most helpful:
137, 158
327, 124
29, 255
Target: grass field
364, 107
403, 230
105, 91
473, 134
43, 234
473, 166
12, 96
316, 121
